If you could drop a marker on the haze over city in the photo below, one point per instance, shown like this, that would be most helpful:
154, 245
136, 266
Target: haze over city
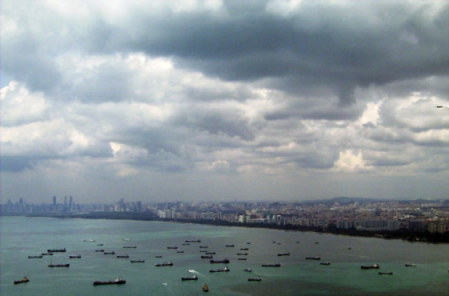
224, 100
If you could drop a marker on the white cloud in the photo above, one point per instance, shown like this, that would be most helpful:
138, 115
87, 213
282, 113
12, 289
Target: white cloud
350, 161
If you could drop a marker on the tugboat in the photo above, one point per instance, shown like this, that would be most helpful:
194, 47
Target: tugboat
374, 266
22, 281
191, 278
205, 288
225, 261
117, 281
224, 269
164, 264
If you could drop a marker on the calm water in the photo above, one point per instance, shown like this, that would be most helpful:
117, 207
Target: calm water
21, 237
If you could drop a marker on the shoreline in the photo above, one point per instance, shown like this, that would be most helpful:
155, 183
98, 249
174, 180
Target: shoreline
403, 234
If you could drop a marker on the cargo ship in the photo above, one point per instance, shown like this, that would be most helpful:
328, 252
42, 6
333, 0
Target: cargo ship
117, 281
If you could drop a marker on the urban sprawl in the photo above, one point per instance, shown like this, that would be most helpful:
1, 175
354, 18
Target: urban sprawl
334, 215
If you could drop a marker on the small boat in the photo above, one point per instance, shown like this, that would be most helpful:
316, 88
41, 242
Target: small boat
203, 251
109, 253
229, 246
205, 288
313, 258
224, 269
56, 250
47, 254
385, 273
325, 263
59, 265
122, 256
225, 261
248, 243
164, 264
410, 265
186, 244
137, 261
89, 240
22, 281
35, 257
248, 270
75, 257
210, 253
204, 247
257, 279
374, 266
172, 248
99, 250
99, 245
271, 265
158, 256
242, 259
244, 249
117, 281
180, 252
129, 247
126, 239
207, 257
284, 254
242, 254
191, 278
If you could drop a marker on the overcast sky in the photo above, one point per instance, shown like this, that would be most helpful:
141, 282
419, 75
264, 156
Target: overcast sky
224, 100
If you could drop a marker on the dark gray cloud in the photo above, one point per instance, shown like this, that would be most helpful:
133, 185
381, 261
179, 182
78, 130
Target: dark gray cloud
259, 91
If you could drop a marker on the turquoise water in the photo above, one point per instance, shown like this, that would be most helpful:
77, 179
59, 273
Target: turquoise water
22, 236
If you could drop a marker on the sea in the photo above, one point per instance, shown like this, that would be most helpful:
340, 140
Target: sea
21, 237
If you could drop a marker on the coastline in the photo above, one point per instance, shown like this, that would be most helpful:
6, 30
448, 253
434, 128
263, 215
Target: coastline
403, 234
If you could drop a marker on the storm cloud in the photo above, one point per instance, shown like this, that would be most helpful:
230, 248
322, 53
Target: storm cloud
224, 95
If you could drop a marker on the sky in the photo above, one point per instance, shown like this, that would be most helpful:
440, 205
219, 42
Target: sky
282, 100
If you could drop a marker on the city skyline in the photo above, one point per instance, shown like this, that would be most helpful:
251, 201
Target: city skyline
224, 100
